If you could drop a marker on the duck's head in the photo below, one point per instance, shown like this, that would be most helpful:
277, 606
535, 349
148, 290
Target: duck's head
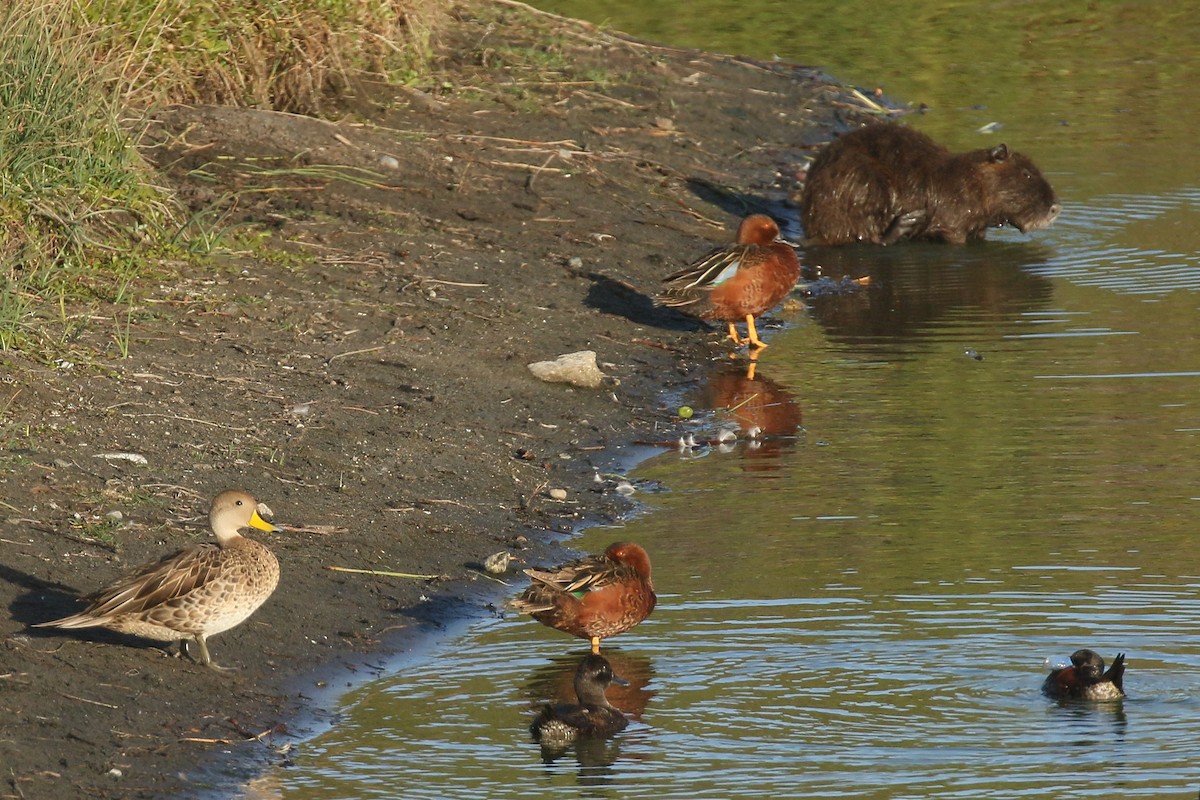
630, 554
1088, 665
593, 677
233, 510
757, 229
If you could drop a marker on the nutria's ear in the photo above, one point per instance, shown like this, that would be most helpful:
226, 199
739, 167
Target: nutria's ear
998, 153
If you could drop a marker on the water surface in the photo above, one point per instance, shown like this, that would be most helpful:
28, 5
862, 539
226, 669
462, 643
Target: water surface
986, 460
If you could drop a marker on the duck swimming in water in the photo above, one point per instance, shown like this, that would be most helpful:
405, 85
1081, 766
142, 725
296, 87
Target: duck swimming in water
561, 724
1086, 679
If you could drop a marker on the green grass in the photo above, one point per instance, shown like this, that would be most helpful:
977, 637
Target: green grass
81, 218
76, 201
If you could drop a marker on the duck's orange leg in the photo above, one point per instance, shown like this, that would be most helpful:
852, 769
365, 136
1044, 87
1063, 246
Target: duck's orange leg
596, 645
733, 334
752, 336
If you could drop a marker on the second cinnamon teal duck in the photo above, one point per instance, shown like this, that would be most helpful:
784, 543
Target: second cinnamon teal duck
594, 597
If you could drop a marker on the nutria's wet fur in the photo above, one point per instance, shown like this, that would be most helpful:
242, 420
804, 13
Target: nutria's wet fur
886, 182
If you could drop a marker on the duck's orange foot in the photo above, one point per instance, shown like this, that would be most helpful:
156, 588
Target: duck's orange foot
752, 337
733, 335
596, 645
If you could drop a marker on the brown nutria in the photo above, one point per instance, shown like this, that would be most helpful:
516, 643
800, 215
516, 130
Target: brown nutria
885, 182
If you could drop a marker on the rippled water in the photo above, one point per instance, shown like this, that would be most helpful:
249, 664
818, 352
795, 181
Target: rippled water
988, 459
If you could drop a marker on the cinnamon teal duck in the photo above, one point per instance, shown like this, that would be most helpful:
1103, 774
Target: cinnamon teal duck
594, 597
737, 282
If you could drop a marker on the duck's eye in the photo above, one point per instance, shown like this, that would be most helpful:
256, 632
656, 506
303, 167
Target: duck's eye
240, 503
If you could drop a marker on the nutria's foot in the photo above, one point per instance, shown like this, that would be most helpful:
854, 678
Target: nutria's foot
903, 226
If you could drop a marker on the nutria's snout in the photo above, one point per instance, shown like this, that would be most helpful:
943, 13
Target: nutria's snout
1051, 215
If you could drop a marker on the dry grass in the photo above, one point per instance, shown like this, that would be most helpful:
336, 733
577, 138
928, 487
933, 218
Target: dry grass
287, 55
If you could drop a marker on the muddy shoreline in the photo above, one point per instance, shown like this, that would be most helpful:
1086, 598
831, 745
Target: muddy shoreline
354, 354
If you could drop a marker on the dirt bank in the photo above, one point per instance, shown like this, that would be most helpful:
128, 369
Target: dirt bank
361, 368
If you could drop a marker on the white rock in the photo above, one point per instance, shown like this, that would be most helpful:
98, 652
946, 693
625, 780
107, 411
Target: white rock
577, 369
497, 563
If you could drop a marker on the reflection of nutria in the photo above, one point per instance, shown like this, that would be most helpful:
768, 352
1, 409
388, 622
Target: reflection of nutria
886, 182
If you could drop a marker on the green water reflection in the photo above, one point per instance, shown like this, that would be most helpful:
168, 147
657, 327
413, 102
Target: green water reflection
1118, 76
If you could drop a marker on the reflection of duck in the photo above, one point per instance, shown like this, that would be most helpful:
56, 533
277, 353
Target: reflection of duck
739, 281
594, 597
195, 593
593, 716
765, 411
1086, 679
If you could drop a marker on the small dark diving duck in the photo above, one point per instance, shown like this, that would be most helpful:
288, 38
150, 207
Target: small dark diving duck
1086, 678
558, 725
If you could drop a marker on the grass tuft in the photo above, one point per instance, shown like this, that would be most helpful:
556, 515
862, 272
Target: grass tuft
286, 55
75, 198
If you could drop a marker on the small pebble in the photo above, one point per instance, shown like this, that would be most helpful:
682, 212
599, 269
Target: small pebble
115, 773
114, 516
389, 162
626, 488
133, 458
558, 494
575, 262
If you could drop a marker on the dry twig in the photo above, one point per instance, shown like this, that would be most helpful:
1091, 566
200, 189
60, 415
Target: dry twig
386, 573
